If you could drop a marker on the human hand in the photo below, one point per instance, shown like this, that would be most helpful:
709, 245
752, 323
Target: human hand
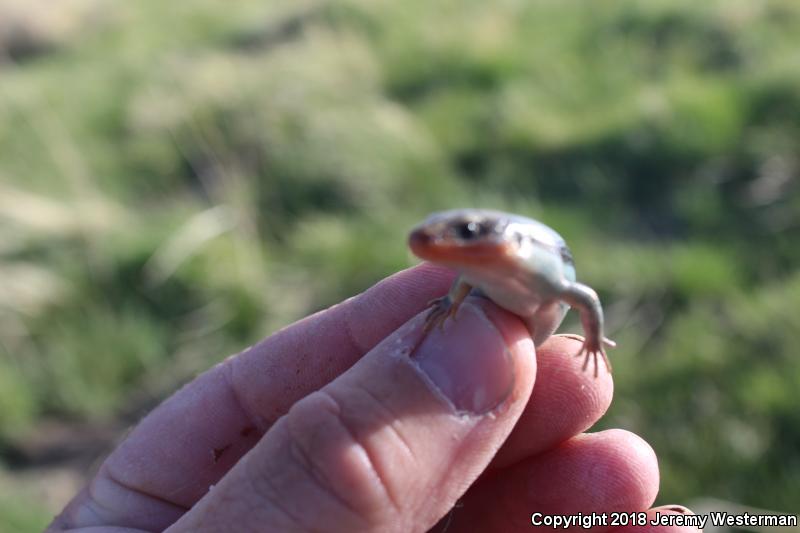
353, 420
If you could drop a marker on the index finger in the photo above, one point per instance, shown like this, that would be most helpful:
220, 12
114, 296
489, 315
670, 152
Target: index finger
192, 439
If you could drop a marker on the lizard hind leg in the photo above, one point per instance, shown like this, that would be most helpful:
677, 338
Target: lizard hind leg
585, 300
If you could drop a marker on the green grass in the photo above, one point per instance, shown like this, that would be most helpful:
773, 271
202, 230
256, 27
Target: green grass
177, 181
19, 514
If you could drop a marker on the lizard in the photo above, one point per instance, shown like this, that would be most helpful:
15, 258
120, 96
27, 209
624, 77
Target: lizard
519, 263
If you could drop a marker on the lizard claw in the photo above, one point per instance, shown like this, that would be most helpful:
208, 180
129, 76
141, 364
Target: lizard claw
591, 349
441, 309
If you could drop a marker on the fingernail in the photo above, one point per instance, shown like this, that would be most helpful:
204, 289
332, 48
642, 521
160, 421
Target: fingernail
674, 508
572, 336
467, 362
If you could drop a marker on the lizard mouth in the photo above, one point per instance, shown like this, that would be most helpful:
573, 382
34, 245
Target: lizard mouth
453, 251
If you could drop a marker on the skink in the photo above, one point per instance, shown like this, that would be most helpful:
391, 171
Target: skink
521, 264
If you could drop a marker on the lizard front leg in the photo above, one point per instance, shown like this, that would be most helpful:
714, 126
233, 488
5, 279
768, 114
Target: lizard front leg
446, 306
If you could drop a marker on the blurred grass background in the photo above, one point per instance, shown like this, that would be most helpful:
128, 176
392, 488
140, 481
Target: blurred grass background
178, 180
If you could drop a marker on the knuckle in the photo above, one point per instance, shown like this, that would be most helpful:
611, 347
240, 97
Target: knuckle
327, 442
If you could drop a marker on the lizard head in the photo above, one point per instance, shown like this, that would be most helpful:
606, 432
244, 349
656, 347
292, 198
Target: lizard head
462, 237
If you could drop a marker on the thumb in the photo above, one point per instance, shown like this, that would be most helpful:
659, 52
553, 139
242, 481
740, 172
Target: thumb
392, 443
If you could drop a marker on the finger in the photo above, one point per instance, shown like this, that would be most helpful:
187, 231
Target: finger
188, 443
610, 471
664, 519
392, 443
566, 401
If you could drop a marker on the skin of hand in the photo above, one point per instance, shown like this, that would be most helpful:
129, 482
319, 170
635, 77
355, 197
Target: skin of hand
353, 420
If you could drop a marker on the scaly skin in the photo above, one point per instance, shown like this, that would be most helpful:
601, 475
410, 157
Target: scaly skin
519, 263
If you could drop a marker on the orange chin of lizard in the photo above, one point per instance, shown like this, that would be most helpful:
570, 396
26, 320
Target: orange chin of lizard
446, 252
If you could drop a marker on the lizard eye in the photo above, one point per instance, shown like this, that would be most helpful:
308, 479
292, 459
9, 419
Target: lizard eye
468, 230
